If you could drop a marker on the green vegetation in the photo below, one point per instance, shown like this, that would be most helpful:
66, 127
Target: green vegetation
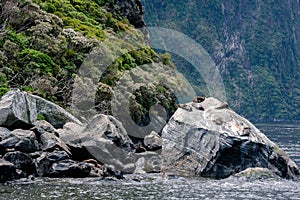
254, 44
44, 43
3, 84
40, 117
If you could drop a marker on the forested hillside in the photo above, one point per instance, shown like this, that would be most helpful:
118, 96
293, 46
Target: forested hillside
45, 43
254, 43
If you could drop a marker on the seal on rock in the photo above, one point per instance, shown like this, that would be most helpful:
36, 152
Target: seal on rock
185, 107
198, 106
224, 105
246, 131
198, 99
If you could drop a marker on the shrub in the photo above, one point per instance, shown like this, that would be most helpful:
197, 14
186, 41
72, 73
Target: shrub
45, 63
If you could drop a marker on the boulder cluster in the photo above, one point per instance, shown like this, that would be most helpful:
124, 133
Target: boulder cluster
203, 138
40, 139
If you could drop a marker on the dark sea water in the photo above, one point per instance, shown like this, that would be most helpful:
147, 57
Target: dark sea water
155, 187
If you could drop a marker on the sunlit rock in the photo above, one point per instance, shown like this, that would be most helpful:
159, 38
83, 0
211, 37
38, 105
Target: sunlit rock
216, 142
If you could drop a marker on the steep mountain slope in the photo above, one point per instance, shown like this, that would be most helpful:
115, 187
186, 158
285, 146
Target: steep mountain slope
45, 45
255, 45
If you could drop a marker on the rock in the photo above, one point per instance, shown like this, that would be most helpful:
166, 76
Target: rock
70, 168
21, 140
42, 126
50, 142
148, 162
153, 141
20, 110
20, 133
53, 113
133, 10
108, 127
109, 171
72, 134
45, 161
256, 173
7, 171
140, 163
212, 143
107, 140
106, 152
21, 161
4, 133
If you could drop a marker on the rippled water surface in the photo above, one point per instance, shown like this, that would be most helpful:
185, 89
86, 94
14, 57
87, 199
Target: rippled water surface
154, 187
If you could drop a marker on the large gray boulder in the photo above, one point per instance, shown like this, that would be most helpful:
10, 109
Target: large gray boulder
106, 139
53, 113
20, 110
210, 140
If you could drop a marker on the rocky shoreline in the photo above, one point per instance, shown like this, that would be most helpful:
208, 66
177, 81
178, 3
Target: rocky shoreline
40, 139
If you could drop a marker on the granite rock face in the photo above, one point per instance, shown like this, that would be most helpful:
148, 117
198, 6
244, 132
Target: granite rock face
17, 109
20, 110
216, 142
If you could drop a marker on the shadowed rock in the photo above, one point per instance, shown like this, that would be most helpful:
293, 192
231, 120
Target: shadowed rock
70, 168
20, 140
44, 162
7, 171
50, 142
21, 161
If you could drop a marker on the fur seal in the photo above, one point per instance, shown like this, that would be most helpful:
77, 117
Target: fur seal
224, 105
140, 149
185, 107
198, 99
92, 161
246, 131
198, 106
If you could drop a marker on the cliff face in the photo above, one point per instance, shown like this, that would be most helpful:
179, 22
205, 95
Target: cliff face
254, 43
